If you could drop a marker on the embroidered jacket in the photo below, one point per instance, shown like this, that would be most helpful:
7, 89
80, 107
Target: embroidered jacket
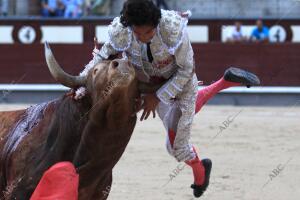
171, 51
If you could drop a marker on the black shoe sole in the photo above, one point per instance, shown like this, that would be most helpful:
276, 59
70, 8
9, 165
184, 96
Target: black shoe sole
199, 190
238, 75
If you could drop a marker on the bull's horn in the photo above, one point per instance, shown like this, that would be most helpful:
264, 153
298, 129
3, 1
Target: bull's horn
59, 74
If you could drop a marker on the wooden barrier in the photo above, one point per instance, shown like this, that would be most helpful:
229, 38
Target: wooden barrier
214, 27
276, 64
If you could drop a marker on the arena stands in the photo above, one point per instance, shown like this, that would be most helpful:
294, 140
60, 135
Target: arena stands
230, 9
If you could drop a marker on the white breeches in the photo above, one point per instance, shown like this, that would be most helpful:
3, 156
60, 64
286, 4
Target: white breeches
178, 117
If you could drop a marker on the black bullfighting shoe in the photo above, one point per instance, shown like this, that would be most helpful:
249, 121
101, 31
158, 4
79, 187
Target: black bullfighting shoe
200, 189
241, 76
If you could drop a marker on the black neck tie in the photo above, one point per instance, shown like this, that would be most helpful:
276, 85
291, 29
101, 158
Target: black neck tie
149, 54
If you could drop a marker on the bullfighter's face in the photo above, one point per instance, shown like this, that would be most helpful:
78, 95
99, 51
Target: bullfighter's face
144, 33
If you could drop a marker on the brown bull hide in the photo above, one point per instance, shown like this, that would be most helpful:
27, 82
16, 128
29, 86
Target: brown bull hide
92, 133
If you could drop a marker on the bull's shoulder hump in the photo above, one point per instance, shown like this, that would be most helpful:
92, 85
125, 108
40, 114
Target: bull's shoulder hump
171, 29
120, 37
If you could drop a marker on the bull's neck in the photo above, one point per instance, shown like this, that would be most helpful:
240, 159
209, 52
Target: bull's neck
120, 109
117, 110
107, 133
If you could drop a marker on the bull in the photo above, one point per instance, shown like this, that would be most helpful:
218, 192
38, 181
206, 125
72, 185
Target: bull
92, 133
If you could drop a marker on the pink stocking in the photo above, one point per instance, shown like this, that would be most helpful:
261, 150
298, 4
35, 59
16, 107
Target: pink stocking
208, 92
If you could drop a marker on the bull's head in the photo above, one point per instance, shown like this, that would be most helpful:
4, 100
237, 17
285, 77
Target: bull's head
102, 80
109, 77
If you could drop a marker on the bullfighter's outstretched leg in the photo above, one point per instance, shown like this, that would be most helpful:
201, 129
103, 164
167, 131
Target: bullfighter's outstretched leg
178, 123
232, 77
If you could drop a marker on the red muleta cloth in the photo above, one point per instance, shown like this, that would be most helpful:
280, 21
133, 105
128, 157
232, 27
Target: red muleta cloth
60, 182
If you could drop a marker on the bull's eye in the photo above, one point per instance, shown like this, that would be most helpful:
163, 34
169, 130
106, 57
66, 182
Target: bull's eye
115, 64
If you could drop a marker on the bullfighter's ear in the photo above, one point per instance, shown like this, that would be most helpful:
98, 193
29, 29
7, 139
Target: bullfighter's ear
59, 74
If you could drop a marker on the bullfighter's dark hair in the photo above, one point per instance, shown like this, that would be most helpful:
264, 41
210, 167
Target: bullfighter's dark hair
139, 13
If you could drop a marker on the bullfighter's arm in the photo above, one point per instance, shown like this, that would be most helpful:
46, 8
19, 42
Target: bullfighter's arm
184, 56
119, 39
98, 55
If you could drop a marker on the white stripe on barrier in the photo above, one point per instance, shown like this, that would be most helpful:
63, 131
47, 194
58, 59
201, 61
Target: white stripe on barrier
74, 34
227, 30
296, 33
102, 33
33, 87
57, 87
263, 89
197, 33
62, 34
6, 35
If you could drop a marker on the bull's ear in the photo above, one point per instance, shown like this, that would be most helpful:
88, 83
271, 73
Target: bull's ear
149, 88
59, 74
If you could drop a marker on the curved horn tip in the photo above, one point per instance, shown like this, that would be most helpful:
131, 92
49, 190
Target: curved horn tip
58, 73
47, 45
47, 48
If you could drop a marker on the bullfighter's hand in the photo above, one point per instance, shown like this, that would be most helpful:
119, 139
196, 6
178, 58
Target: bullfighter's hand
149, 105
138, 106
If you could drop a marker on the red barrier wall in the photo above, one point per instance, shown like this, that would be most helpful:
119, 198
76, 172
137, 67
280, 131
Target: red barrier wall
276, 64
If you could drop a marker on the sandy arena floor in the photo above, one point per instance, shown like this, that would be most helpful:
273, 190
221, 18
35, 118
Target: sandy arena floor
255, 153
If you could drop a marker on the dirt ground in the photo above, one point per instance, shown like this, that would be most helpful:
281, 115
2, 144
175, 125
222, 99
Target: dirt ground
255, 153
